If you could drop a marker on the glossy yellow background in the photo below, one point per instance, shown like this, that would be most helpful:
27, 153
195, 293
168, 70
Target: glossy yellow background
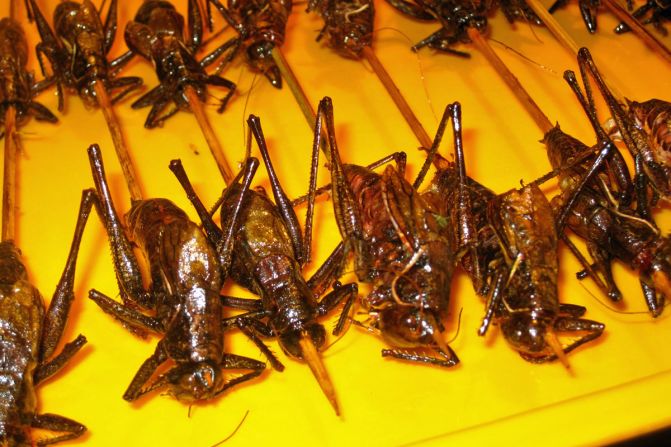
619, 386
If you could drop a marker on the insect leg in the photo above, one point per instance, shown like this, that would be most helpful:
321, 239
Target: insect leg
329, 271
127, 83
281, 200
127, 315
655, 304
61, 302
195, 24
347, 292
222, 82
214, 234
55, 422
46, 370
109, 28
41, 112
149, 98
252, 327
126, 266
145, 372
232, 361
450, 360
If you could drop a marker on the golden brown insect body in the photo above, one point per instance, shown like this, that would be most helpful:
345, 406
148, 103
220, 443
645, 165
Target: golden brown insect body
29, 335
398, 247
77, 50
186, 278
261, 26
348, 24
157, 34
17, 86
654, 118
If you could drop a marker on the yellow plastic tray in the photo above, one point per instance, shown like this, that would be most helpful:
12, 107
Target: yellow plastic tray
620, 386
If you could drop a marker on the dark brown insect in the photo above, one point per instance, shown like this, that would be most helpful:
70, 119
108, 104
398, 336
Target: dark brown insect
261, 25
653, 175
508, 245
28, 339
18, 87
395, 239
157, 35
77, 50
611, 230
588, 10
270, 252
454, 18
657, 12
186, 278
653, 117
348, 24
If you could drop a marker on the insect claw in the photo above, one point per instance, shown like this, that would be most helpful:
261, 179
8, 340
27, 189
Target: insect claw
314, 361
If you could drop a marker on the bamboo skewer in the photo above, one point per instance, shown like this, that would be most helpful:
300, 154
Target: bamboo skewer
646, 36
9, 177
119, 143
509, 78
295, 86
398, 99
212, 140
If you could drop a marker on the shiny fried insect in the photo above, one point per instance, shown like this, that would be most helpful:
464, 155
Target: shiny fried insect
29, 335
508, 245
261, 25
18, 87
611, 230
657, 12
76, 50
348, 24
454, 18
186, 278
395, 238
270, 252
157, 34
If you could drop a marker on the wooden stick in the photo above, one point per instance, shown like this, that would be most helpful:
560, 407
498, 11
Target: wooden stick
119, 143
295, 87
212, 140
398, 99
646, 36
563, 37
9, 177
527, 101
555, 28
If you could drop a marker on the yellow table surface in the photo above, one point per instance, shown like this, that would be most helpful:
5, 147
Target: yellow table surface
620, 385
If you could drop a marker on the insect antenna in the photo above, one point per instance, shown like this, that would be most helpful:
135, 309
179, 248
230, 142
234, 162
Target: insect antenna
234, 430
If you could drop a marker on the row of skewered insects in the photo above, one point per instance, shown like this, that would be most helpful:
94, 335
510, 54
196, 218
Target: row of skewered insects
405, 240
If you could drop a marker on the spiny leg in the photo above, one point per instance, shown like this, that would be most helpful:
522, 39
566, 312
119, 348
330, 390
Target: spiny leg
61, 302
450, 360
46, 370
54, 422
145, 372
128, 315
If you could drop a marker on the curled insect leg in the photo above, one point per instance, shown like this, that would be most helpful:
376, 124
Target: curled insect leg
54, 422
251, 326
654, 300
591, 329
46, 370
347, 292
142, 376
233, 361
